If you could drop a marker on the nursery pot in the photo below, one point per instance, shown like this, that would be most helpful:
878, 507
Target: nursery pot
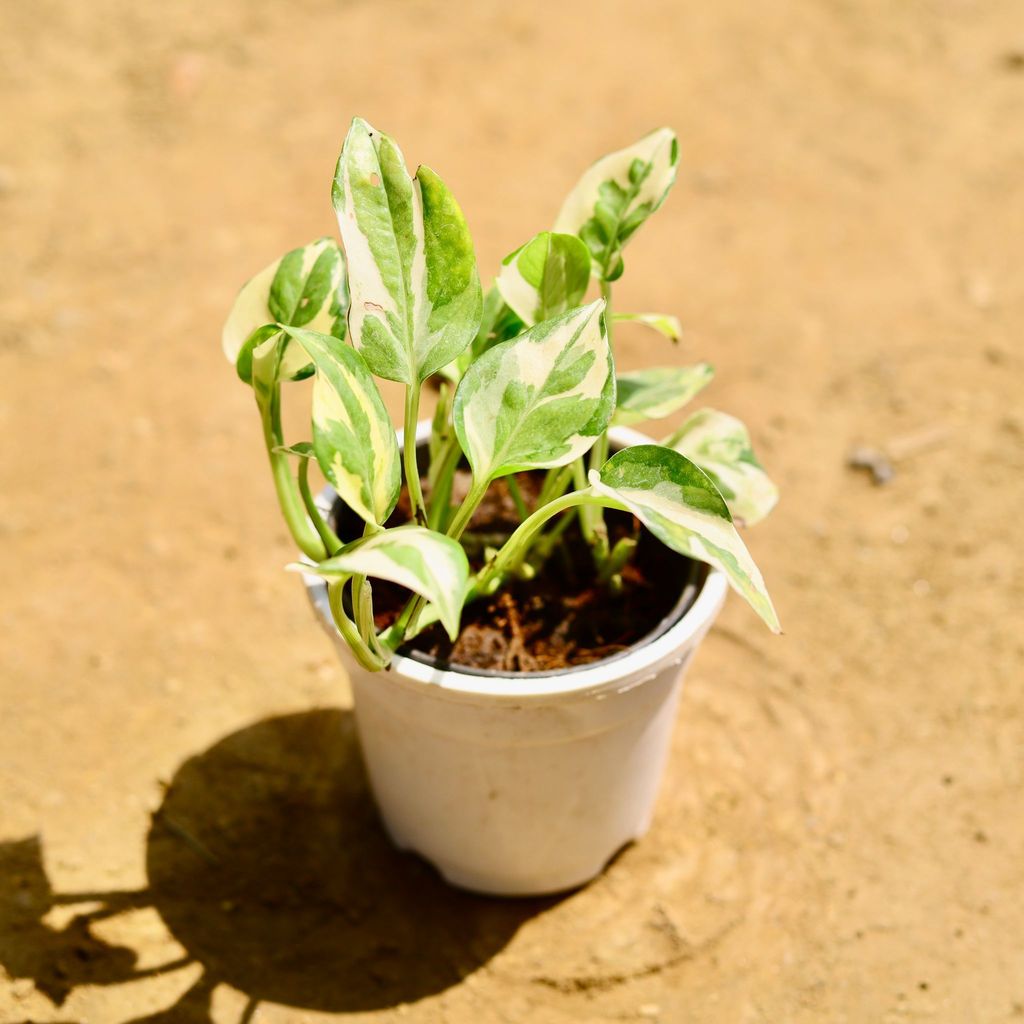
520, 784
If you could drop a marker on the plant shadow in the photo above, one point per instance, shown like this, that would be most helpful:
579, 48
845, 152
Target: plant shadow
269, 865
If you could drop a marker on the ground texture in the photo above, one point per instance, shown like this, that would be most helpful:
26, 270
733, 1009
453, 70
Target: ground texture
185, 834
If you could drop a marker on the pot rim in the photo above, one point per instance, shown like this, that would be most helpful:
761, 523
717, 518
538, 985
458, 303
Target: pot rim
687, 623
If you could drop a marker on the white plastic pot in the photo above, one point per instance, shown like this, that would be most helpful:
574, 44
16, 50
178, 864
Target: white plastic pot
527, 783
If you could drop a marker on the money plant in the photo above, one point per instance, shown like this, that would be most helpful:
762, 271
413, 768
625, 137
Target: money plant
525, 378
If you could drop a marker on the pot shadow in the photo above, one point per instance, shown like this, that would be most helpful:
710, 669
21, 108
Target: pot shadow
268, 863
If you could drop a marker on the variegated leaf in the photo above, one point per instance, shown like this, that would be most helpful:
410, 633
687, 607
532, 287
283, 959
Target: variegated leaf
545, 277
653, 393
720, 445
681, 506
306, 287
421, 560
539, 400
415, 291
616, 195
663, 323
353, 438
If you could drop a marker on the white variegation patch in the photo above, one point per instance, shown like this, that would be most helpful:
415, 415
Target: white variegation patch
251, 309
539, 400
680, 505
659, 391
421, 560
720, 445
617, 194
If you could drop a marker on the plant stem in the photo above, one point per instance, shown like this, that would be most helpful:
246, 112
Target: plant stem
348, 630
524, 535
579, 479
327, 535
517, 497
467, 508
412, 471
441, 484
362, 599
592, 520
292, 506
555, 483
599, 453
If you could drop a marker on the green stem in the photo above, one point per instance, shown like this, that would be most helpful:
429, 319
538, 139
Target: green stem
362, 599
593, 519
412, 471
348, 630
579, 478
467, 508
441, 484
517, 497
512, 550
292, 506
327, 535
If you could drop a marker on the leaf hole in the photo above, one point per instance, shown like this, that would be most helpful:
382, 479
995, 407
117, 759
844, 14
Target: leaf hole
375, 179
373, 306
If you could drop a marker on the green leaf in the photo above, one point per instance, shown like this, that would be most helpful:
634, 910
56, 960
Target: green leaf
421, 560
657, 392
681, 506
306, 287
353, 438
302, 449
720, 445
539, 400
416, 297
547, 276
616, 195
663, 323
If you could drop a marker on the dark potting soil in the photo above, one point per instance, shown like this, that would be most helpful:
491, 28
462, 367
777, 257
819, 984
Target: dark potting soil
562, 617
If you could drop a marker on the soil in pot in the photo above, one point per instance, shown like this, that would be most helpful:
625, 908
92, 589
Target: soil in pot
564, 616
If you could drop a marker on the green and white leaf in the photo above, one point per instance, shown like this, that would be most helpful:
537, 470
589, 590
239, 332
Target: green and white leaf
720, 445
547, 276
663, 323
421, 560
539, 400
416, 297
616, 195
681, 506
657, 392
306, 287
354, 441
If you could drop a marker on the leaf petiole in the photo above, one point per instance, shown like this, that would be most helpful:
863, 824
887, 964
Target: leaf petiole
412, 472
364, 655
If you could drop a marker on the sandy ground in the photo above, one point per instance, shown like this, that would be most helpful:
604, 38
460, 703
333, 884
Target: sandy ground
841, 835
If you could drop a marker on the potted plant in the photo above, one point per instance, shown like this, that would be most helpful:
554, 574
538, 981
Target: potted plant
517, 584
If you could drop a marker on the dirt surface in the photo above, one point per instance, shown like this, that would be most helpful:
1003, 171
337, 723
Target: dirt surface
186, 832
